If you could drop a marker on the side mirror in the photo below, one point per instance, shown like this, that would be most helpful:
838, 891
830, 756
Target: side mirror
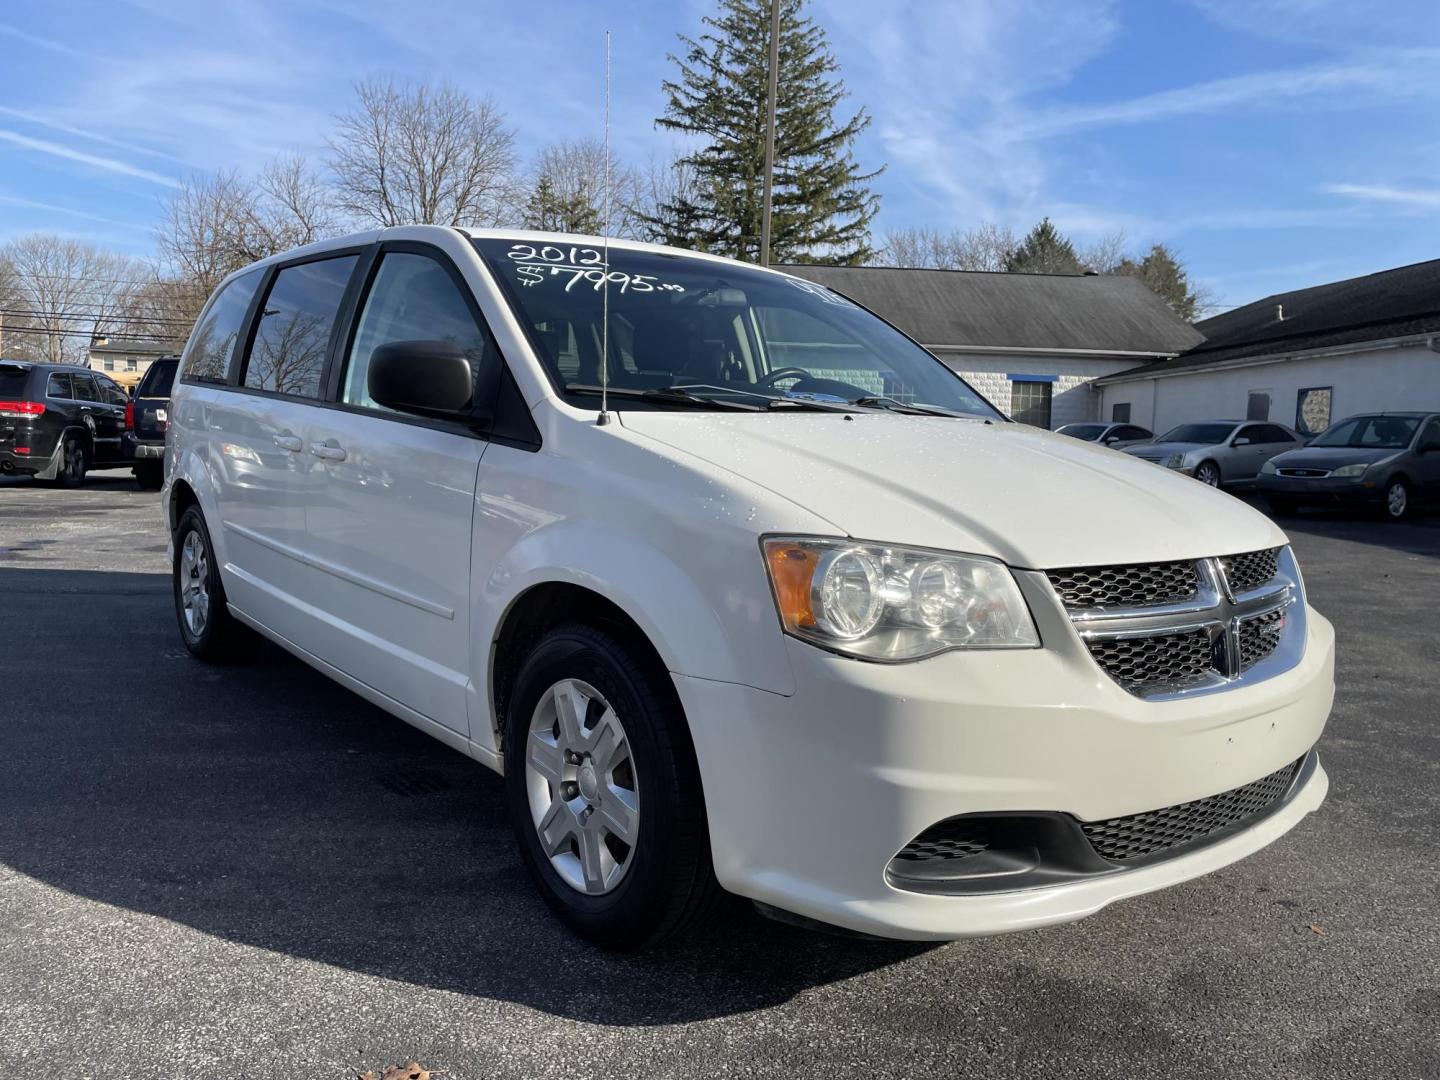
1111, 440
1241, 441
424, 378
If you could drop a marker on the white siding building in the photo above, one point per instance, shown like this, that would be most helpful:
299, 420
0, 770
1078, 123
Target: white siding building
1305, 358
1033, 344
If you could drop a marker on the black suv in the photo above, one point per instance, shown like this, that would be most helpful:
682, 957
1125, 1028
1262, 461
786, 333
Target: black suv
143, 441
57, 421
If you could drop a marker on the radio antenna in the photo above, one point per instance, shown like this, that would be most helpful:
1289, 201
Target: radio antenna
604, 417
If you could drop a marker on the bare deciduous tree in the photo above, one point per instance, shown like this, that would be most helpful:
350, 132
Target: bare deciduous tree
568, 189
211, 229
985, 247
61, 295
295, 206
409, 155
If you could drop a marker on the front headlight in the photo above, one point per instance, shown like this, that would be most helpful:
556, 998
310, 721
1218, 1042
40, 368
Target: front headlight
883, 602
1358, 469
1268, 468
1174, 461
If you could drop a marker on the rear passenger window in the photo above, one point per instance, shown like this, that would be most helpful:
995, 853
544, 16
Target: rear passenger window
293, 331
413, 298
59, 386
213, 343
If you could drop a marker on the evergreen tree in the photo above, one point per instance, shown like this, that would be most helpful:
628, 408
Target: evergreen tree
1044, 251
822, 205
1165, 276
550, 211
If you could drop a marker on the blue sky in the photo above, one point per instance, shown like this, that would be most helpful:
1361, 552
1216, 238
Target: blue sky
1273, 143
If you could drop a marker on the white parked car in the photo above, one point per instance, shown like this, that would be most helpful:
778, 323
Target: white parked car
799, 616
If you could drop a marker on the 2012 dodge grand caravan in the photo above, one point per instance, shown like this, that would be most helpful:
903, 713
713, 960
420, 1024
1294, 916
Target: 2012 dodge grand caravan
787, 609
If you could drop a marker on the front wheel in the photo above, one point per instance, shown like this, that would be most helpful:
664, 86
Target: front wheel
1398, 500
603, 790
208, 629
1208, 473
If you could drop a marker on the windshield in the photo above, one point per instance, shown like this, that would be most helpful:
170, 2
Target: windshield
1209, 434
712, 327
1088, 432
1371, 433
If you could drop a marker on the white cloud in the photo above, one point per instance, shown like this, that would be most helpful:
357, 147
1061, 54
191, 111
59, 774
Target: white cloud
1413, 199
68, 211
43, 146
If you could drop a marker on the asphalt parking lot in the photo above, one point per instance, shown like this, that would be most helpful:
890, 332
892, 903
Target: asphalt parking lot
251, 872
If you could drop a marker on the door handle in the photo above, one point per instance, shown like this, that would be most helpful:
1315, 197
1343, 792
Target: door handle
329, 450
289, 442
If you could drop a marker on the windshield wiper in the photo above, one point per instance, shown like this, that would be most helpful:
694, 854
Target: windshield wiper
684, 394
669, 395
877, 401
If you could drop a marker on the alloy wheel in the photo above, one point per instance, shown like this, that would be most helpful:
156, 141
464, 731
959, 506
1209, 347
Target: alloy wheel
195, 583
582, 789
1397, 500
1208, 474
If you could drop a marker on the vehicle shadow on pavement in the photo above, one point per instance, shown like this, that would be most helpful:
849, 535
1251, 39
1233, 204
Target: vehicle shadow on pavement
267, 806
1417, 536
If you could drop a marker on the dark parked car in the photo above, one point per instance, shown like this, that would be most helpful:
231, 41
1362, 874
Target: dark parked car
146, 418
1116, 435
1390, 461
58, 421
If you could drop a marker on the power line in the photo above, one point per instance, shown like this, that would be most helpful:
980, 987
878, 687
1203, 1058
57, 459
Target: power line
92, 316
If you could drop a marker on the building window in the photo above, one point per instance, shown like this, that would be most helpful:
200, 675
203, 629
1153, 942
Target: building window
109, 363
130, 364
1030, 403
1120, 412
1312, 410
1258, 407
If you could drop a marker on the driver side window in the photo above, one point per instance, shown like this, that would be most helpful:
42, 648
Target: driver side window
413, 298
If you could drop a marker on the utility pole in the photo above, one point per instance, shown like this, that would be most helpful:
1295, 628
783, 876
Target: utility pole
770, 131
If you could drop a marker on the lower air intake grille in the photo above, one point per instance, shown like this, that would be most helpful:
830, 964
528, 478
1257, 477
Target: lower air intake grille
947, 841
1259, 637
1250, 570
1137, 835
1144, 662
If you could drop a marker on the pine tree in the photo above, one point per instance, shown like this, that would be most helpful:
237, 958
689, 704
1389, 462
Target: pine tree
1165, 276
1044, 251
550, 211
822, 205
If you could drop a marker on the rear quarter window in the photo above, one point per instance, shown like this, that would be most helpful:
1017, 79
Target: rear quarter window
212, 345
14, 384
159, 380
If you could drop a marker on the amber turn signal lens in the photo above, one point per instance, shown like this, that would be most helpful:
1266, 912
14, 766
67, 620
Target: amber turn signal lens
792, 568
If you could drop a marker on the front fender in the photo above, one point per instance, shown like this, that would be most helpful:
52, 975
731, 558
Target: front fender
711, 629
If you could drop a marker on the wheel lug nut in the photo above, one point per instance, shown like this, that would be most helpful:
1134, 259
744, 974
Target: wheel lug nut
569, 789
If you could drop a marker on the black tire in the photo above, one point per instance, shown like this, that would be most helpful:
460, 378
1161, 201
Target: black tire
1282, 507
221, 638
150, 475
1397, 505
1200, 474
670, 884
74, 463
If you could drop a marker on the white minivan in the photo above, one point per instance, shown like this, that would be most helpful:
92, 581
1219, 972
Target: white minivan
786, 610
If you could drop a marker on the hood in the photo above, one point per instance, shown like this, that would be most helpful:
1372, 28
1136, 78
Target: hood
1030, 497
1158, 451
1331, 457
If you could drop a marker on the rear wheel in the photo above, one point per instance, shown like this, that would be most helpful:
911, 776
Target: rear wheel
1208, 473
604, 792
74, 463
208, 629
1399, 500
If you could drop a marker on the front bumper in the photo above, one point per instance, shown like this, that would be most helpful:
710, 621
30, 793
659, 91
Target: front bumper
1321, 490
809, 796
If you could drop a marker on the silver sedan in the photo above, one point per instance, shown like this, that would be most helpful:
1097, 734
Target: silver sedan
1219, 452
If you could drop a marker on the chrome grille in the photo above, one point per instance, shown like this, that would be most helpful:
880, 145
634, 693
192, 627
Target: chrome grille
1259, 637
1174, 627
1250, 570
948, 840
1173, 660
1140, 585
1137, 835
